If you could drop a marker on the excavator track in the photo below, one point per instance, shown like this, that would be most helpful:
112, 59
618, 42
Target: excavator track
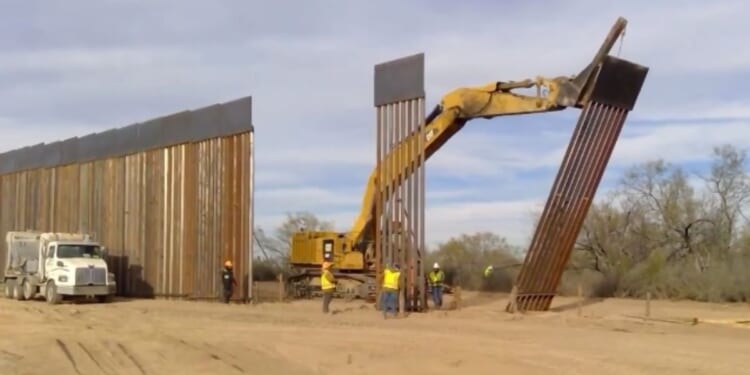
351, 286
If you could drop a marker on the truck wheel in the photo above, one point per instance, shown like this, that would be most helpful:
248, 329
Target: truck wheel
18, 291
50, 293
104, 298
28, 290
10, 284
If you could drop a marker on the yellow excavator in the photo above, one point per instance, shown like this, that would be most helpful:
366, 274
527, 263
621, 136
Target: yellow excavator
352, 252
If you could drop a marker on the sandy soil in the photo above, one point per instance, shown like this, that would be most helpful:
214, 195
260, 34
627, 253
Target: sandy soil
170, 337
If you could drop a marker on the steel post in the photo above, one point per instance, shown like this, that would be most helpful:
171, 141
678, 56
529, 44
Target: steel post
399, 207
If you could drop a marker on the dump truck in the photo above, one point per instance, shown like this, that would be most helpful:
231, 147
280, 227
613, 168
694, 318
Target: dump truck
56, 266
353, 253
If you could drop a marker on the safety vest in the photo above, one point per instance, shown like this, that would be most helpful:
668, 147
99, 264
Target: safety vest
326, 284
488, 271
436, 278
390, 279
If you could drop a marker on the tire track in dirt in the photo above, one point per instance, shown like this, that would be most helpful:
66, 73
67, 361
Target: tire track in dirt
131, 357
67, 353
214, 348
114, 356
122, 356
211, 351
14, 356
86, 359
91, 356
118, 354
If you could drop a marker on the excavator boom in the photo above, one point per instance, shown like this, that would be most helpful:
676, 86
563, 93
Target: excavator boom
498, 99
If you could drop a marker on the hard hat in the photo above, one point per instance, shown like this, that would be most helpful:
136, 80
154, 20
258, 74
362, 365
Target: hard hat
228, 263
436, 265
327, 265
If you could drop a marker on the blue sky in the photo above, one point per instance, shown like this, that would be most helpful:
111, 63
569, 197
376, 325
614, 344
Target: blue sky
72, 68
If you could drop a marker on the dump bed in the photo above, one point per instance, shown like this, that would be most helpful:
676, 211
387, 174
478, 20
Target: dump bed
23, 252
65, 237
23, 249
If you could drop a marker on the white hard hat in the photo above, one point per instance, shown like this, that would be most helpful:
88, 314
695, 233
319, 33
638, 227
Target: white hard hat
436, 265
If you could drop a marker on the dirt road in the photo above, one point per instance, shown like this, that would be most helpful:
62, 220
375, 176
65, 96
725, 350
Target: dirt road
168, 337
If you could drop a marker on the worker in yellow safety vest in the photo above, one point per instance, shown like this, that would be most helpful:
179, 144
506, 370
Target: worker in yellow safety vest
488, 271
327, 285
389, 295
436, 279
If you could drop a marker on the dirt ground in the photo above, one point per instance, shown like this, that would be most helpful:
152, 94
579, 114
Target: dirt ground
180, 337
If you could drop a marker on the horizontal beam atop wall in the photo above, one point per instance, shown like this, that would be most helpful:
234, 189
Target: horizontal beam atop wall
218, 120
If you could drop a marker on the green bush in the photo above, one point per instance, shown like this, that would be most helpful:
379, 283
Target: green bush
266, 270
464, 258
723, 281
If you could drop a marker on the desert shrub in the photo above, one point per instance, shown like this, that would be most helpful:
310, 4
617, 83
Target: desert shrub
266, 270
464, 258
723, 281
593, 284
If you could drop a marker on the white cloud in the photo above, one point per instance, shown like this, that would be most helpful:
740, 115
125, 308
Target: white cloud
702, 111
487, 154
17, 136
510, 219
101, 60
307, 198
680, 143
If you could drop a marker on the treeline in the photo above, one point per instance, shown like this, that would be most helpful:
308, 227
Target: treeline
672, 233
662, 230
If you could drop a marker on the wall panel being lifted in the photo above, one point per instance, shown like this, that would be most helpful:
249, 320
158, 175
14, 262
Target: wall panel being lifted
170, 198
614, 93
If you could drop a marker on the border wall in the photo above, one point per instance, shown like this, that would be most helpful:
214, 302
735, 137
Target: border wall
170, 198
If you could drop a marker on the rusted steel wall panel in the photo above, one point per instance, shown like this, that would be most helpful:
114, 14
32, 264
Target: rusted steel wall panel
399, 205
615, 91
582, 168
169, 215
571, 196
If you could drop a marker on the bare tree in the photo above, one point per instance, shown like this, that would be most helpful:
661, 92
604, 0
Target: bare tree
276, 248
729, 188
670, 203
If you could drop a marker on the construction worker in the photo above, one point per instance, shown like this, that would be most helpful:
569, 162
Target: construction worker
436, 279
389, 295
488, 271
227, 281
327, 285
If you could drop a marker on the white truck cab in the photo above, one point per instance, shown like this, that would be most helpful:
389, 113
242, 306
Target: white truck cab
56, 265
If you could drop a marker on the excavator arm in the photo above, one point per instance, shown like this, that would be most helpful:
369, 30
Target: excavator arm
488, 101
456, 108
